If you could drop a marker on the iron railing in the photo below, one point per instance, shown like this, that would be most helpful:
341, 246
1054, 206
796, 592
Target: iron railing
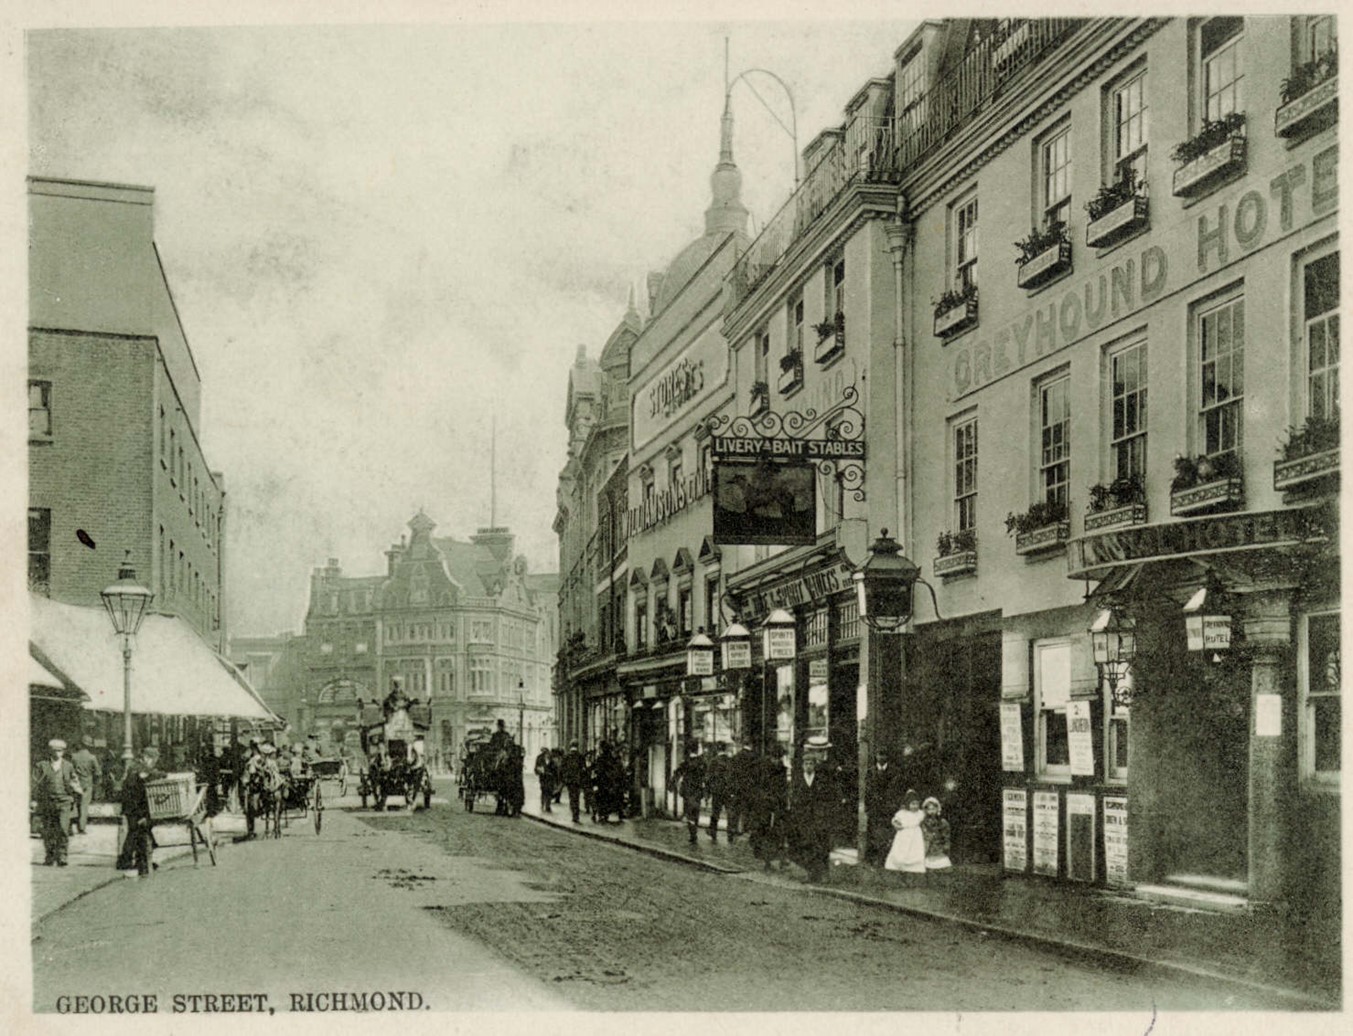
876, 150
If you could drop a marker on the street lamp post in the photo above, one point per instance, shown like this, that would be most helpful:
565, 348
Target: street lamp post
521, 712
883, 586
127, 602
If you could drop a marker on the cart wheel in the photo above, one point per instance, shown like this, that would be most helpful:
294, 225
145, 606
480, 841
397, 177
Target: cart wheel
427, 794
319, 808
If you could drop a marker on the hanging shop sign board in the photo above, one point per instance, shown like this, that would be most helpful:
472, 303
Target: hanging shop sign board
1012, 738
1015, 828
1080, 836
1115, 840
1045, 833
1268, 715
1208, 632
770, 503
1078, 738
779, 643
732, 447
700, 663
737, 654
817, 669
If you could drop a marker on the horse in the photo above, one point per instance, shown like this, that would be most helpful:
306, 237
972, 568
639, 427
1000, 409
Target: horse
263, 798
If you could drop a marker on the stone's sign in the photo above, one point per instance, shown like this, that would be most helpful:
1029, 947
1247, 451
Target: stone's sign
814, 585
726, 446
1239, 223
666, 397
1209, 535
676, 388
666, 502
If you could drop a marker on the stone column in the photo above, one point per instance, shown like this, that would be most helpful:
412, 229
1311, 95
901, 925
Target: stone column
1268, 638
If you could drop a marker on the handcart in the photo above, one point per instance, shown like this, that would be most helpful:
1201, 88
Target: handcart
177, 799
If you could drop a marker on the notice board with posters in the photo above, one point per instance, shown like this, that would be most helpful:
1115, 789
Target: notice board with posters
1080, 836
1115, 840
765, 503
1045, 833
1015, 829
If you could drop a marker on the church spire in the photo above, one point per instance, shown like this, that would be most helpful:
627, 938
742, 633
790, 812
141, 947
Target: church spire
726, 213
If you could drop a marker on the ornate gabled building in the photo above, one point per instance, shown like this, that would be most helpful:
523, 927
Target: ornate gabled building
464, 625
590, 523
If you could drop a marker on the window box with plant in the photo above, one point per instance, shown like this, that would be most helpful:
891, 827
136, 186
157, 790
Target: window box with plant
1215, 154
831, 338
760, 397
1310, 456
1043, 527
1207, 483
1120, 502
956, 311
1118, 211
1310, 97
957, 553
1044, 255
791, 372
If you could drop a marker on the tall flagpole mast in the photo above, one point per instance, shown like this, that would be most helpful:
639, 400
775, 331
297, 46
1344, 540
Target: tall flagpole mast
493, 472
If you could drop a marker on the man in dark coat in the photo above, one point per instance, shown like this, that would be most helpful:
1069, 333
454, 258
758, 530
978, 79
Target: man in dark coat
573, 772
691, 778
719, 780
768, 804
55, 791
815, 805
610, 783
139, 844
744, 768
882, 798
88, 771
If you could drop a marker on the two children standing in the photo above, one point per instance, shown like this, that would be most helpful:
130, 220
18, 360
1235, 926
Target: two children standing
922, 840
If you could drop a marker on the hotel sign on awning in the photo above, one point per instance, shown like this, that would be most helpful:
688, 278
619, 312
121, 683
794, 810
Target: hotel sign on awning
1214, 534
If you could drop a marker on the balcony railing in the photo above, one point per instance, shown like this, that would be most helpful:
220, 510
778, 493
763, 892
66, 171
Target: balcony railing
979, 76
876, 150
865, 153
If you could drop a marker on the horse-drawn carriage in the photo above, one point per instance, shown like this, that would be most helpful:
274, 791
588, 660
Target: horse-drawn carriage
491, 766
392, 741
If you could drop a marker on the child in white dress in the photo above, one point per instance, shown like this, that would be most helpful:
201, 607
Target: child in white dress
908, 850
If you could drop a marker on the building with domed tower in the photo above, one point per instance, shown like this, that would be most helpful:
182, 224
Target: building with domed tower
464, 625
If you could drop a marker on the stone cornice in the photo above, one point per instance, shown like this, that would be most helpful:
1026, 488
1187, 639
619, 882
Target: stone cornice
944, 169
857, 203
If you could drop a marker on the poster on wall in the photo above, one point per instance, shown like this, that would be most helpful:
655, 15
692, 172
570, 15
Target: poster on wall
1015, 828
1045, 833
1080, 836
1078, 737
1012, 738
770, 503
1115, 840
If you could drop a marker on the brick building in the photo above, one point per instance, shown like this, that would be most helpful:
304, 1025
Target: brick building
114, 411
463, 624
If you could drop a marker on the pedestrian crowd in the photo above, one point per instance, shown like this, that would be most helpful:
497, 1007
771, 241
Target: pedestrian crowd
597, 782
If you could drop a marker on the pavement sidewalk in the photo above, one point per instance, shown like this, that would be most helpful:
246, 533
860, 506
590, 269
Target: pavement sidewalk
92, 857
1255, 949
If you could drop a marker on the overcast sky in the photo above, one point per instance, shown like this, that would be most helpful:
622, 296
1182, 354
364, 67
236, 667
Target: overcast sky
381, 238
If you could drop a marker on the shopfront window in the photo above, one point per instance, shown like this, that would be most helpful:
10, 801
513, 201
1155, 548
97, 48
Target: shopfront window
784, 705
1052, 692
1322, 712
817, 723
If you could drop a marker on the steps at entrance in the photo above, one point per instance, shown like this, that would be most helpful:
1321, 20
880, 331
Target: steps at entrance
1199, 892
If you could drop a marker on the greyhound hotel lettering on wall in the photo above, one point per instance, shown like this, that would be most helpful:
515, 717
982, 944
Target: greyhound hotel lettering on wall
1240, 222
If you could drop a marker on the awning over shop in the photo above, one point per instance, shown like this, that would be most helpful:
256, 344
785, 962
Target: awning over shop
173, 672
46, 685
